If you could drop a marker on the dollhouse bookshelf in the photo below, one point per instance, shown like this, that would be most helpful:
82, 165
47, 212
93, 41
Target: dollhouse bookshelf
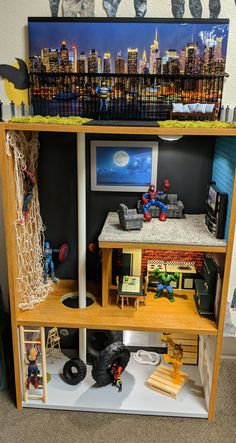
104, 314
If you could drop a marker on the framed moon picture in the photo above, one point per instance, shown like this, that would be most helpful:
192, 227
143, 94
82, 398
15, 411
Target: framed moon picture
123, 165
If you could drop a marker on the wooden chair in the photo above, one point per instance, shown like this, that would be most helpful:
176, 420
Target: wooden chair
142, 298
120, 297
53, 340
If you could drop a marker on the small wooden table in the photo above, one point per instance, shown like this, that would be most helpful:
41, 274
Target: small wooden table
131, 287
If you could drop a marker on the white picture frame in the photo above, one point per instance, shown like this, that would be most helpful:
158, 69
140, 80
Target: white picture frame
123, 166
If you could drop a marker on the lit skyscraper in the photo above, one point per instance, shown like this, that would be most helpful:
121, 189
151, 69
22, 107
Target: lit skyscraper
73, 58
107, 63
132, 60
81, 63
45, 58
143, 67
53, 60
93, 61
218, 49
119, 63
154, 54
191, 51
64, 58
182, 61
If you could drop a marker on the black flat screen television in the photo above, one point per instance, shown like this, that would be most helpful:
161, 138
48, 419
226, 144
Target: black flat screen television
145, 64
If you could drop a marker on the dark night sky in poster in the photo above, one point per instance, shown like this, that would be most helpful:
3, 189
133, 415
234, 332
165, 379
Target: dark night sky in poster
112, 37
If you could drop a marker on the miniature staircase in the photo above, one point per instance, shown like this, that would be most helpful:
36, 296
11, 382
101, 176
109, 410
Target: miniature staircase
24, 342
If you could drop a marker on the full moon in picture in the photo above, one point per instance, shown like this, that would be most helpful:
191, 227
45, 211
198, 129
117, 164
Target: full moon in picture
121, 158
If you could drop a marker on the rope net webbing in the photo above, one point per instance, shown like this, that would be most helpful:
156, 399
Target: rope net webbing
30, 231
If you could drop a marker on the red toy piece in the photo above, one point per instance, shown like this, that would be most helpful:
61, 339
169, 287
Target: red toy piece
116, 371
151, 198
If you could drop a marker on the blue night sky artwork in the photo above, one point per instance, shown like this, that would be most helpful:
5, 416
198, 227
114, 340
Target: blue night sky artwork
118, 36
121, 166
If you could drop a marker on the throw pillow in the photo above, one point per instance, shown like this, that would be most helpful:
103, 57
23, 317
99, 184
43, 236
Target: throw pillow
177, 107
201, 107
185, 108
192, 107
209, 107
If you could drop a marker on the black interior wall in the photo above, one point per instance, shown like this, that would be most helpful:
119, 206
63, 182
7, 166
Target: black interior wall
187, 163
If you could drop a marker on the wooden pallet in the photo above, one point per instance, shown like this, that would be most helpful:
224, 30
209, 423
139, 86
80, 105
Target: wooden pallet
189, 343
161, 380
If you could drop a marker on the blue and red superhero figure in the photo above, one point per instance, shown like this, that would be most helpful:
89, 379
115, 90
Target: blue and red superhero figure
150, 198
29, 184
103, 92
33, 370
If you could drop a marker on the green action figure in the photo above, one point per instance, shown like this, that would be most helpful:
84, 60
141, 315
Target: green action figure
165, 280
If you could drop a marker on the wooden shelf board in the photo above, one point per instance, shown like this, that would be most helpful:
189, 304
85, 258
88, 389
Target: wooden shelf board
138, 130
157, 315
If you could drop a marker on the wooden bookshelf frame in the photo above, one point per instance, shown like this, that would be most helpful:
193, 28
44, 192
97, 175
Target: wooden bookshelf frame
44, 314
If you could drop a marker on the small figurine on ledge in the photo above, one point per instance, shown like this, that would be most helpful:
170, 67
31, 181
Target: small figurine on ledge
165, 280
116, 371
103, 92
151, 198
48, 266
33, 370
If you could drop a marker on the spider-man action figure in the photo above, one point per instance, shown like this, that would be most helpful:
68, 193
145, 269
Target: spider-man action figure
29, 184
150, 198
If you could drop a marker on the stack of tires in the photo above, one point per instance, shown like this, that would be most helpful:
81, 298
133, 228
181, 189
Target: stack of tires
104, 349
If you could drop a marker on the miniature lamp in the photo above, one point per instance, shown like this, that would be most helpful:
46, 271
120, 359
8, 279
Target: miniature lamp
170, 138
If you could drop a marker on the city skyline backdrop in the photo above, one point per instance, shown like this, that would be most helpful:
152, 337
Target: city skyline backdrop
112, 37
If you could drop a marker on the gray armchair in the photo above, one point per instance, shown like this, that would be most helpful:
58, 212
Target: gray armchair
175, 207
129, 218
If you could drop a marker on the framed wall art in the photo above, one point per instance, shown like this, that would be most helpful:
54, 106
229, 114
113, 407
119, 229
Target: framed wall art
123, 165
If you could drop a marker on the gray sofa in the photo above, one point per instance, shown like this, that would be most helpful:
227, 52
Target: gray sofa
129, 218
175, 207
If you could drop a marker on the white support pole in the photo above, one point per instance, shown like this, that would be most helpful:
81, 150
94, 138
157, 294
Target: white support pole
81, 190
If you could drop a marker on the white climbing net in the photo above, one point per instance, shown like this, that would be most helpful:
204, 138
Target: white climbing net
30, 232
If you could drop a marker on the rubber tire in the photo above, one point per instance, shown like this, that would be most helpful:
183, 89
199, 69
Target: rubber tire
98, 340
70, 377
116, 352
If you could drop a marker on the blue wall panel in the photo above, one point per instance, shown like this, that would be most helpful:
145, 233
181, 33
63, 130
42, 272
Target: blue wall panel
223, 169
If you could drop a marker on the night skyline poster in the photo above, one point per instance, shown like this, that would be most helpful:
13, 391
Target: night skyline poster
126, 47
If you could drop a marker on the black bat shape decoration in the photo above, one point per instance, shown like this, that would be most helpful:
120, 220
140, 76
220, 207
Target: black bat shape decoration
18, 76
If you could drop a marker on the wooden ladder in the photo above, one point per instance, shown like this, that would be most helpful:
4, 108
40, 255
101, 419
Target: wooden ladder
42, 365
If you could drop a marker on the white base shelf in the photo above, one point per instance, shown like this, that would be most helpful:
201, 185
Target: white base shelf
135, 398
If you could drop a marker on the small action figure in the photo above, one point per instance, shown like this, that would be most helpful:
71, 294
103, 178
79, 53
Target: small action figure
29, 184
165, 279
48, 265
116, 371
175, 359
103, 92
33, 370
150, 198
